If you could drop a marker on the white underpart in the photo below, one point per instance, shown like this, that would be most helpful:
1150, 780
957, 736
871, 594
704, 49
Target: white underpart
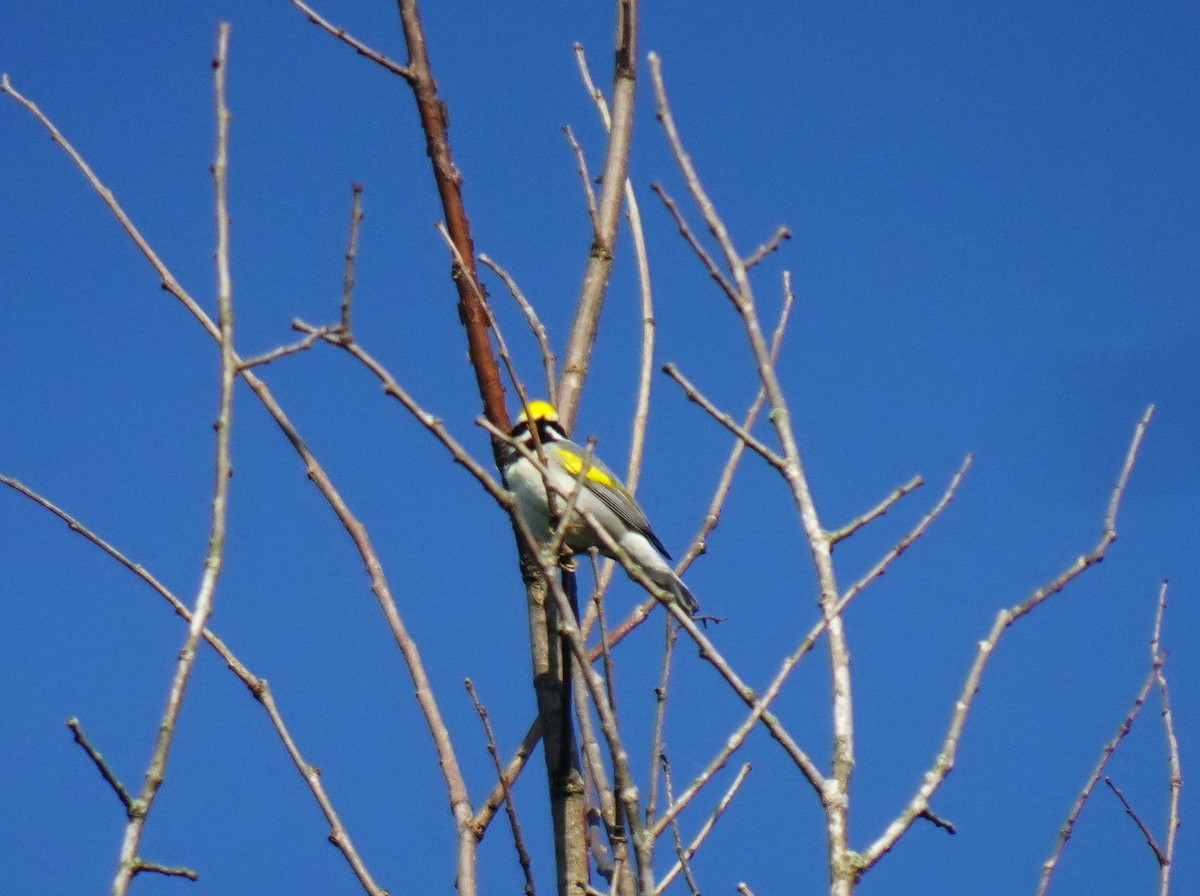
527, 484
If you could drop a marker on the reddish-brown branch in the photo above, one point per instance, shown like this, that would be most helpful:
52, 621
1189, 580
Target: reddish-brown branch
448, 181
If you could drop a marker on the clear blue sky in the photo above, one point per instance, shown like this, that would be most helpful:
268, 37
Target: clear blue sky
996, 219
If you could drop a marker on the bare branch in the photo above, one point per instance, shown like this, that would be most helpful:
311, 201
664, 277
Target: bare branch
431, 422
356, 216
483, 817
359, 47
535, 324
724, 483
129, 860
608, 205
624, 787
706, 828
686, 231
642, 262
494, 325
581, 164
448, 179
781, 233
167, 870
1137, 819
300, 345
681, 853
937, 821
844, 869
657, 747
1068, 827
876, 512
944, 761
314, 470
600, 798
714, 657
98, 760
695, 395
594, 92
510, 806
1174, 764
641, 413
917, 531
258, 687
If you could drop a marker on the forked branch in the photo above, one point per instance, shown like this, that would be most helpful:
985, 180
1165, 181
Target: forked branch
944, 761
129, 863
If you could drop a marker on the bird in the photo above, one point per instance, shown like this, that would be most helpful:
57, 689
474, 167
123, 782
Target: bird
603, 498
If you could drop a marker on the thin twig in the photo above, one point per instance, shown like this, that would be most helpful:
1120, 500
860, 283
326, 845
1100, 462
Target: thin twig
482, 303
594, 93
614, 817
681, 853
516, 763
431, 422
582, 336
303, 344
610, 674
167, 870
877, 511
510, 806
781, 233
916, 532
657, 747
356, 216
535, 323
695, 395
689, 235
601, 799
584, 178
937, 821
359, 47
705, 829
98, 760
641, 413
1068, 826
1137, 819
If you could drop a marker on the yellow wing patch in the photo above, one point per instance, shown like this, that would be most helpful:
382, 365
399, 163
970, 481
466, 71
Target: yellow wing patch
574, 463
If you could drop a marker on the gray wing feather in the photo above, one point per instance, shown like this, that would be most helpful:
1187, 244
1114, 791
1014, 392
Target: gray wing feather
619, 501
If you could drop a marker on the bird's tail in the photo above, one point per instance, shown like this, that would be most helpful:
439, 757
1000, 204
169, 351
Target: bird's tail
651, 557
671, 582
